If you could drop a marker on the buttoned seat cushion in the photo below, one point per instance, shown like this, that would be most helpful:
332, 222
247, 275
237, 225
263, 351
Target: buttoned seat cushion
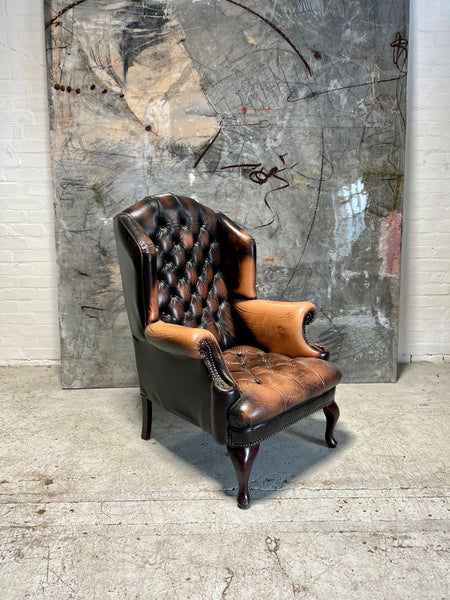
270, 383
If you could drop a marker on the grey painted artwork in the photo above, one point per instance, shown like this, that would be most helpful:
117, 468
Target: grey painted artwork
287, 116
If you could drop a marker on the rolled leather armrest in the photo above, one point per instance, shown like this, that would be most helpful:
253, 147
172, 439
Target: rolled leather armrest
279, 326
193, 342
179, 339
202, 345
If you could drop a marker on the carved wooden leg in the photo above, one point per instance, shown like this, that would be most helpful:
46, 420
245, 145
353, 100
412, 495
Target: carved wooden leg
146, 417
243, 459
332, 414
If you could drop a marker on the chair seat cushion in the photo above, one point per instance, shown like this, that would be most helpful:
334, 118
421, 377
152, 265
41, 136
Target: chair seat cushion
270, 384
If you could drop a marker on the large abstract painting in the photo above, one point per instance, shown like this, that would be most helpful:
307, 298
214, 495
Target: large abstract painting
287, 115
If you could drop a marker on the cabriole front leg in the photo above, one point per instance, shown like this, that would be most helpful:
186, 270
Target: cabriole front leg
332, 415
243, 459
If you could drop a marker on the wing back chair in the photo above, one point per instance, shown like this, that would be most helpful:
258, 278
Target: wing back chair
206, 348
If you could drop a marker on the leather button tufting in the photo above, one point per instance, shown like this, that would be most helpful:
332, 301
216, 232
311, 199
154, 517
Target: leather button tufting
258, 374
191, 287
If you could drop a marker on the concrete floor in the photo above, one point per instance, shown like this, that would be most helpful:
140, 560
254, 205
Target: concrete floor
91, 511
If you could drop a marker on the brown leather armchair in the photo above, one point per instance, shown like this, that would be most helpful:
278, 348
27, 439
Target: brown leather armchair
206, 349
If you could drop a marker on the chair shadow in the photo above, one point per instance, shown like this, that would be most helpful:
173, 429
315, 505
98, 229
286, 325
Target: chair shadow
282, 459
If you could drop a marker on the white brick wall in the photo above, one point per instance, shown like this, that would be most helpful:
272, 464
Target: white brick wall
425, 304
28, 288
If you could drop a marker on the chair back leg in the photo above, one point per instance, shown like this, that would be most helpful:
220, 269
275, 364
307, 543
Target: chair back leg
146, 417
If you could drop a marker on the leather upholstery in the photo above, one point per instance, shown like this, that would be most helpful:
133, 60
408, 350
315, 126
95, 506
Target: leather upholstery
239, 437
180, 339
206, 349
278, 326
137, 259
271, 383
191, 286
238, 258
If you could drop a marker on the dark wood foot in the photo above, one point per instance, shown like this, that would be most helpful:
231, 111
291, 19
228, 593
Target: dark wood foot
332, 414
146, 417
243, 459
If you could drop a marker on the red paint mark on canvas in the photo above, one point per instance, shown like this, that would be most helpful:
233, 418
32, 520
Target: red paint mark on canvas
245, 111
393, 244
276, 256
265, 108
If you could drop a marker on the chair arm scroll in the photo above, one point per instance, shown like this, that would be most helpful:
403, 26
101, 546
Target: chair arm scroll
280, 326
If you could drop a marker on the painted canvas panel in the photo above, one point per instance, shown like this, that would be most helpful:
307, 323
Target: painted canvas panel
288, 116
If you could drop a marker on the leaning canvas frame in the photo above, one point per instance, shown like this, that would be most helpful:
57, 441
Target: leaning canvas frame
289, 117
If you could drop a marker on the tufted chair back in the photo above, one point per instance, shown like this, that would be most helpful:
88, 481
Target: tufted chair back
186, 271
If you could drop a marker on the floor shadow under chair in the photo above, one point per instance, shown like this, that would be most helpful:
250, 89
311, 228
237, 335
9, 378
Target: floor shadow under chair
283, 460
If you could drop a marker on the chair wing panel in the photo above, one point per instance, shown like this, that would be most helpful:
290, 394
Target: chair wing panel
238, 258
137, 260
